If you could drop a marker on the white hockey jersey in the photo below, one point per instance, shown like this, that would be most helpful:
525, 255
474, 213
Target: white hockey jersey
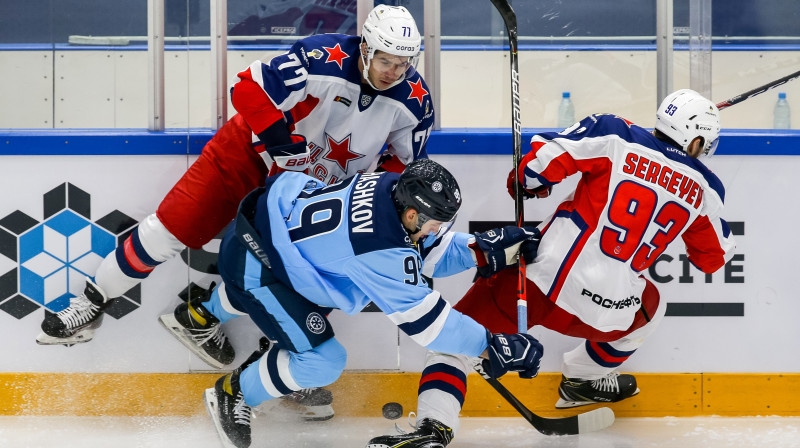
317, 85
636, 195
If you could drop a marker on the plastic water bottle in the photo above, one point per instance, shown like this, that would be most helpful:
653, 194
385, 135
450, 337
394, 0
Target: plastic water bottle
566, 112
782, 115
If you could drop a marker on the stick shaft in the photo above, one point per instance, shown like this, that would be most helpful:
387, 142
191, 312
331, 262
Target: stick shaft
757, 91
510, 20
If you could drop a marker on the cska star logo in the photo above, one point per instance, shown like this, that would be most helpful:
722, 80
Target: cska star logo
340, 153
335, 54
418, 92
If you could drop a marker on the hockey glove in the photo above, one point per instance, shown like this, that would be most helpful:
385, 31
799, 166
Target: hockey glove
540, 192
389, 162
496, 249
518, 352
293, 156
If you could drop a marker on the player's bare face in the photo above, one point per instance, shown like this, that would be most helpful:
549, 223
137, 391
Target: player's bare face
386, 68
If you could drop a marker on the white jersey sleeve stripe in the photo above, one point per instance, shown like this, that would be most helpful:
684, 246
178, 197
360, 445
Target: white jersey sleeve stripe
436, 254
424, 321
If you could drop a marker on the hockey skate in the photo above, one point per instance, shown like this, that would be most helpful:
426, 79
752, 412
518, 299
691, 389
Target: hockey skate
231, 415
312, 404
608, 389
76, 323
429, 433
197, 329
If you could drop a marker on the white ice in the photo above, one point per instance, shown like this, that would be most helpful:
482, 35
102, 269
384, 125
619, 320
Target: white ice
341, 432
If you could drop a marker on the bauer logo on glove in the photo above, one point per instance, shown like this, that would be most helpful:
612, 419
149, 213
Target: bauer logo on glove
518, 352
497, 249
293, 156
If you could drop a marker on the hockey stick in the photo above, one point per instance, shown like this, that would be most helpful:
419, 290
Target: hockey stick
510, 20
757, 91
593, 420
576, 424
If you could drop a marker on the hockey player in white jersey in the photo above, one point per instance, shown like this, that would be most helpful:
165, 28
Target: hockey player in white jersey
638, 192
327, 106
299, 248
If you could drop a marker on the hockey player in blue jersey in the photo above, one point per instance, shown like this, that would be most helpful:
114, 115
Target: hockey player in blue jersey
299, 248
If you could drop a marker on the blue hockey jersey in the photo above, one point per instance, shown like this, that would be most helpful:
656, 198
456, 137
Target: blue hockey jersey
342, 246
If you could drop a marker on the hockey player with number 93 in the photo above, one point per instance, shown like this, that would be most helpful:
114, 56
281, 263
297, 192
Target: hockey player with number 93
638, 192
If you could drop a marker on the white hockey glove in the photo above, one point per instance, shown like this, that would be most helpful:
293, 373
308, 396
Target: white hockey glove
292, 157
518, 352
497, 249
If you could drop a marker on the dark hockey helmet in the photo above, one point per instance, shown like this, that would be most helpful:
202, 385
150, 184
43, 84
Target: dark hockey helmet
431, 190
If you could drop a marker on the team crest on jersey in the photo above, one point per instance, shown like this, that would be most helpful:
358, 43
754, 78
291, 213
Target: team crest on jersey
315, 323
340, 152
365, 100
316, 53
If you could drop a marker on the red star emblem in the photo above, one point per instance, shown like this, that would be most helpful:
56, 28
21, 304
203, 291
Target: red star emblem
340, 152
417, 91
336, 55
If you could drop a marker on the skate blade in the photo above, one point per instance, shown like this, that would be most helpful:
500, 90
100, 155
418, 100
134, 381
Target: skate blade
212, 406
307, 413
81, 337
169, 322
566, 404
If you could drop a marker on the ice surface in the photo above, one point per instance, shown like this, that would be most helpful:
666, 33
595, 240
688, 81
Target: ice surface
288, 432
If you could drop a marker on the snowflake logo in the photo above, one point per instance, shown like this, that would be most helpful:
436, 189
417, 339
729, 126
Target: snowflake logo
315, 323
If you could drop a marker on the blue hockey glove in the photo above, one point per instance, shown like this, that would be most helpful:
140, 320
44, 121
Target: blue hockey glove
293, 156
496, 249
518, 352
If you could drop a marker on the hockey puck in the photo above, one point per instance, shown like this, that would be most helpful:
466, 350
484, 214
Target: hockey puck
392, 410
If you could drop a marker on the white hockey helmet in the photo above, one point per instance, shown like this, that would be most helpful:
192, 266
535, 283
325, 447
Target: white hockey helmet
685, 115
393, 30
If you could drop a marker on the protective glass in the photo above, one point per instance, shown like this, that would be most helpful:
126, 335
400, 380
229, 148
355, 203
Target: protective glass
432, 227
385, 62
713, 148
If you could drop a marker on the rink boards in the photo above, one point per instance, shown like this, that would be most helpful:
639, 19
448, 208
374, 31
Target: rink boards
363, 394
726, 348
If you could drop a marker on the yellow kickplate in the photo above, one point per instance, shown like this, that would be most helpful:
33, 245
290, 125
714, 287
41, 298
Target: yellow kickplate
363, 394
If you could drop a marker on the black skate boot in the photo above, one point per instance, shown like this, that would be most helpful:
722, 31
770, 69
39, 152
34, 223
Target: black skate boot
231, 415
76, 323
198, 330
430, 433
609, 389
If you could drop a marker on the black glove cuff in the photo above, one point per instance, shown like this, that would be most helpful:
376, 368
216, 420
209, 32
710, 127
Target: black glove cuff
275, 135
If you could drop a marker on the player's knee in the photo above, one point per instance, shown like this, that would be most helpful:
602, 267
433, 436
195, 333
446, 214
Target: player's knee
320, 366
158, 242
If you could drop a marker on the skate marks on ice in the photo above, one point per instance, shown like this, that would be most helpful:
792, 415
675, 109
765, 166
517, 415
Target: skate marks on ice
291, 431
